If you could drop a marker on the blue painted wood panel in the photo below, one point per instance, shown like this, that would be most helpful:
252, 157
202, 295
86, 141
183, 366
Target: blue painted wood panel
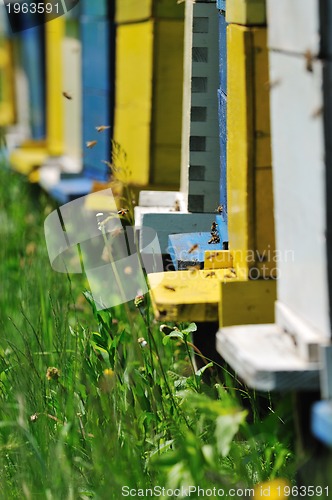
221, 4
96, 56
69, 189
187, 250
222, 52
94, 8
96, 111
222, 111
321, 421
222, 103
32, 43
98, 50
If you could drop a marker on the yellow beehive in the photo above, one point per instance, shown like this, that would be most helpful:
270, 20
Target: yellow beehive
7, 108
249, 172
148, 93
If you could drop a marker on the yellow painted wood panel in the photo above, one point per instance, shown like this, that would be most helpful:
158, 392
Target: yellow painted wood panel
261, 98
264, 223
218, 259
240, 147
247, 302
167, 102
250, 198
186, 295
134, 10
247, 12
55, 31
25, 159
7, 107
134, 68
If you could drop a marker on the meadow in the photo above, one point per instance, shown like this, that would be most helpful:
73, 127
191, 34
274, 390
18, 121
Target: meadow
94, 404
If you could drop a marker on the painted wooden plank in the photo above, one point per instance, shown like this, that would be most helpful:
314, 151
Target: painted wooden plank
133, 11
222, 109
27, 158
246, 12
173, 223
261, 99
171, 199
93, 9
167, 102
97, 35
200, 145
32, 56
72, 82
247, 302
250, 202
307, 339
69, 189
187, 250
140, 212
186, 295
265, 358
325, 355
95, 62
302, 36
298, 156
218, 259
54, 80
321, 421
264, 257
96, 112
7, 110
222, 102
221, 5
134, 69
240, 165
222, 52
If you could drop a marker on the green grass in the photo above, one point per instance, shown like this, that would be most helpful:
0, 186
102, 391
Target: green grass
113, 412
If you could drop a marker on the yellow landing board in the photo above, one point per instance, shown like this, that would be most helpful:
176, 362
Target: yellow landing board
186, 295
247, 302
25, 160
247, 12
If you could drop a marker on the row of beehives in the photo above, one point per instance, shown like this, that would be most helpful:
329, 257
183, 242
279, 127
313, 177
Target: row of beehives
275, 337
273, 218
105, 70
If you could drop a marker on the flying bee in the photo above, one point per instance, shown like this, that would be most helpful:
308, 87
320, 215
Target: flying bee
101, 128
193, 248
67, 95
123, 211
214, 227
220, 209
91, 144
170, 288
212, 256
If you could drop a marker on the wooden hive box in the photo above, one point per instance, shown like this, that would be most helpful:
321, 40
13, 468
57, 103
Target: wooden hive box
149, 73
